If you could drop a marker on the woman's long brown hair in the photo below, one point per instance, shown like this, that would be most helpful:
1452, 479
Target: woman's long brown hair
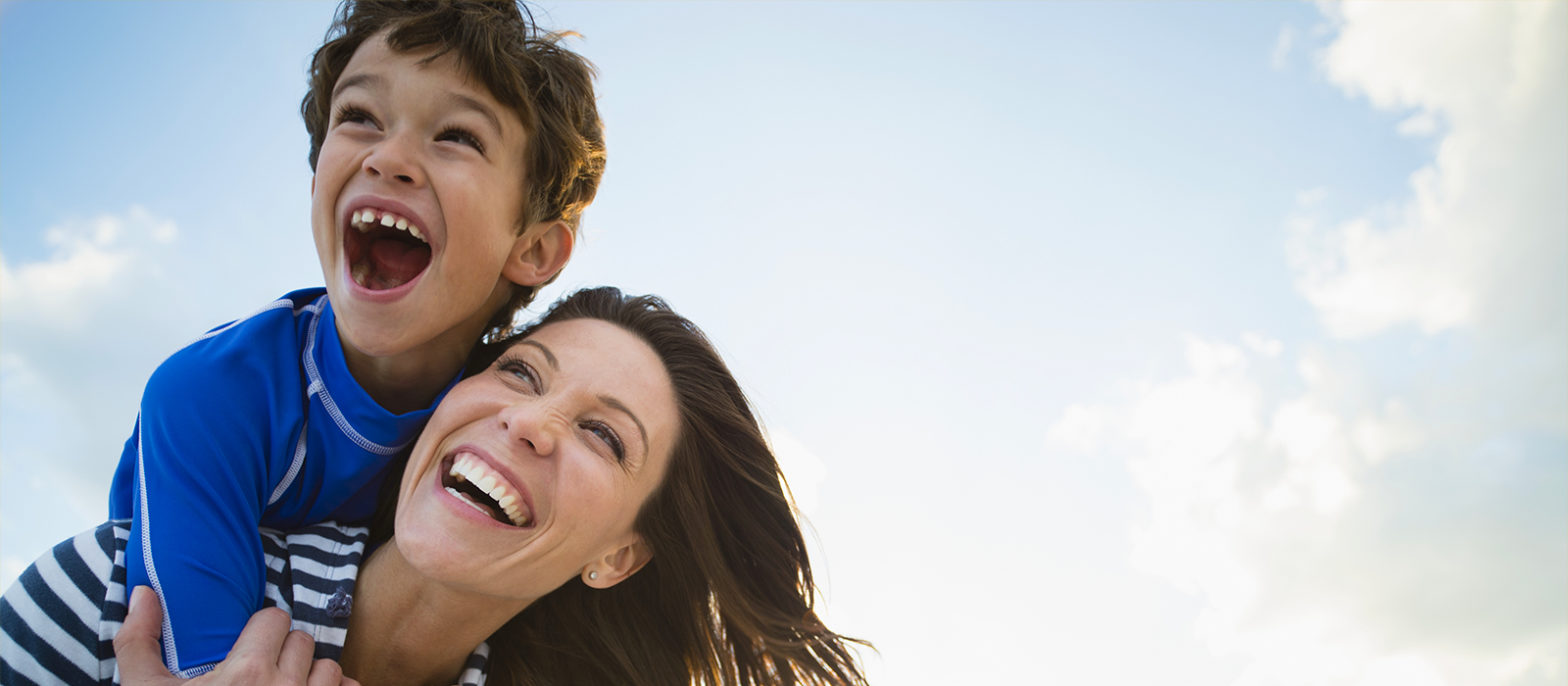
727, 597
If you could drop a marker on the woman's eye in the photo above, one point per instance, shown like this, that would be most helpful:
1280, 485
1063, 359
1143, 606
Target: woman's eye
462, 137
520, 371
611, 440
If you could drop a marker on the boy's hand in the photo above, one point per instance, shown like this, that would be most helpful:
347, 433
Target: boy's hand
266, 652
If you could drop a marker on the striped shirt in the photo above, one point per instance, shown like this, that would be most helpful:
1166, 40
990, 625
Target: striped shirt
58, 621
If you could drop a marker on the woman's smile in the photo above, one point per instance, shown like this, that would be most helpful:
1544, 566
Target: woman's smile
470, 477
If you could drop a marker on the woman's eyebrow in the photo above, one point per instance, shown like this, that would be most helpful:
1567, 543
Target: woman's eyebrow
548, 356
614, 404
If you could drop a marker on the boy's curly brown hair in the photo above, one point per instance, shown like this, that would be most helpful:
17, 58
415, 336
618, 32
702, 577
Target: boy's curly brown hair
549, 87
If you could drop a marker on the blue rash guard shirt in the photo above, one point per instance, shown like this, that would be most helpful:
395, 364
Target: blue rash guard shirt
256, 423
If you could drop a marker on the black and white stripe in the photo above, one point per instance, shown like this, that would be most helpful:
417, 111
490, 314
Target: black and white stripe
58, 621
59, 618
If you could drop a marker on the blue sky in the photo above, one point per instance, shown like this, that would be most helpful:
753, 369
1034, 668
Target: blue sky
1225, 335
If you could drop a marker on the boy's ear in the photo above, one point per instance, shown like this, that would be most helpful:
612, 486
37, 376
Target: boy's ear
619, 564
539, 253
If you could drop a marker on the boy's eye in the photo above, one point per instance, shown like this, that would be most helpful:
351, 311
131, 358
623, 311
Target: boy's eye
461, 136
606, 434
349, 114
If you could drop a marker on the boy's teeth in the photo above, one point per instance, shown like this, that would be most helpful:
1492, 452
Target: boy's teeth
366, 218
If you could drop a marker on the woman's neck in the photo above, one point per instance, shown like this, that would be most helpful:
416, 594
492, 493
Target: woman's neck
406, 629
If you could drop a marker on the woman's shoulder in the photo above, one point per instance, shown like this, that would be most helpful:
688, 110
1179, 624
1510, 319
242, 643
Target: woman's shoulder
60, 617
84, 570
315, 548
310, 574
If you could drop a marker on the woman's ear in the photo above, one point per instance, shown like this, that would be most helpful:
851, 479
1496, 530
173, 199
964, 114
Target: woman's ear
539, 253
619, 564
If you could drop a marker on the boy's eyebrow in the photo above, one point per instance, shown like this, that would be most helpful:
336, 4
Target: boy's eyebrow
375, 81
371, 81
469, 103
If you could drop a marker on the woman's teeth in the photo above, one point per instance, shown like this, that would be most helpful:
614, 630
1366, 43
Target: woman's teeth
463, 498
474, 471
367, 218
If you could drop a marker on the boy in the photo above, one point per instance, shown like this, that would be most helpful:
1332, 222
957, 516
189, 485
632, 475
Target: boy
454, 149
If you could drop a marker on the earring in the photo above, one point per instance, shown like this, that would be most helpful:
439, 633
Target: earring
593, 576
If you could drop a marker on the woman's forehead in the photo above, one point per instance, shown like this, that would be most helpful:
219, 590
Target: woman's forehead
602, 354
585, 338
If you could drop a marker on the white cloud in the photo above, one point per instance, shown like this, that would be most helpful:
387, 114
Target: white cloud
90, 260
1423, 123
1311, 197
1081, 427
1284, 43
1317, 519
1480, 240
1262, 345
1385, 506
10, 569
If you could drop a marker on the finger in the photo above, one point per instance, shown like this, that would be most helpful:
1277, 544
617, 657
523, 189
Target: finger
326, 673
262, 638
350, 682
136, 645
294, 662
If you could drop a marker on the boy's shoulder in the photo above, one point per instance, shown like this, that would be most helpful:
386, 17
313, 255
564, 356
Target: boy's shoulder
294, 311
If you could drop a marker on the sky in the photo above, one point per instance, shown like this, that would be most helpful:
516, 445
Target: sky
1102, 343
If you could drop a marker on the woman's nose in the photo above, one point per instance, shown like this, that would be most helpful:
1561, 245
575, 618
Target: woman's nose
533, 423
394, 158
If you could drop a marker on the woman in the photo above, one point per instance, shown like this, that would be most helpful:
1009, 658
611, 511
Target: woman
596, 506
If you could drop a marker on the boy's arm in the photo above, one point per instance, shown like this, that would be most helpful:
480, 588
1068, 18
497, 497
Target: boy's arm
201, 449
266, 652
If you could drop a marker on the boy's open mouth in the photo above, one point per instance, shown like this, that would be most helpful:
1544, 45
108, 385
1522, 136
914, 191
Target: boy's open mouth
385, 250
472, 481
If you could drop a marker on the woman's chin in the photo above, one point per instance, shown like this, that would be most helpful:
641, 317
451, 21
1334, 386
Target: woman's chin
451, 544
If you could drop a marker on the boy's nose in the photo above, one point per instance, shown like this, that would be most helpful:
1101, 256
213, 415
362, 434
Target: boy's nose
392, 158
